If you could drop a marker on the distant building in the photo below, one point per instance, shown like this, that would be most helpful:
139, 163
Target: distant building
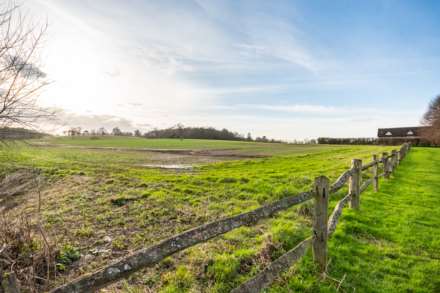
400, 135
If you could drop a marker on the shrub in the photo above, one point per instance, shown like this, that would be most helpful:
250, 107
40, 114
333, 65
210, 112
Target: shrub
66, 256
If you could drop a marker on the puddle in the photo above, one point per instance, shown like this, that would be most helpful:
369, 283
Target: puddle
170, 167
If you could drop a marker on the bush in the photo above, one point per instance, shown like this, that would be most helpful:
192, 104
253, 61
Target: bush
66, 256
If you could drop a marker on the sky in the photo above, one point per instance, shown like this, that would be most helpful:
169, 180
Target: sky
284, 69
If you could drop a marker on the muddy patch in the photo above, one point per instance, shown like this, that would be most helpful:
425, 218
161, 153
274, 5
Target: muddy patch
169, 167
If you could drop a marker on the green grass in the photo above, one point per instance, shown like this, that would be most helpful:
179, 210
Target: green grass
182, 144
163, 143
392, 244
91, 194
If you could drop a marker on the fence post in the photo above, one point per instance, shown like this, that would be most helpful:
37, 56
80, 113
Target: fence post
355, 183
405, 150
391, 163
385, 165
322, 185
394, 160
375, 174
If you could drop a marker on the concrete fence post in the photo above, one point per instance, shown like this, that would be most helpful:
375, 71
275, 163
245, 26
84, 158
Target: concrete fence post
322, 186
375, 174
355, 183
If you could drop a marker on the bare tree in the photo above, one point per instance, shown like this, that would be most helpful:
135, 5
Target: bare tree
433, 112
21, 80
432, 120
116, 131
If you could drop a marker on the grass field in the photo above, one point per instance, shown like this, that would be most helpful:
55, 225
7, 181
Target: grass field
392, 244
103, 204
238, 147
135, 142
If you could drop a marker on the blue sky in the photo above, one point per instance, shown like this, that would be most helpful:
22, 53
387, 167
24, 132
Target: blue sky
285, 69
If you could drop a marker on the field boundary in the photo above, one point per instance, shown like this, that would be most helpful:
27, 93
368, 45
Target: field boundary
323, 227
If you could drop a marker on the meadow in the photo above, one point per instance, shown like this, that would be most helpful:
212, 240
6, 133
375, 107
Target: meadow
162, 143
205, 146
391, 244
100, 204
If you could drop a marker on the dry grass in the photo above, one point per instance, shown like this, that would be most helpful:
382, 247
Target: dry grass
27, 253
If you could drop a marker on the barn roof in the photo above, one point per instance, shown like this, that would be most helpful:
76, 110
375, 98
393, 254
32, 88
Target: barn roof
400, 132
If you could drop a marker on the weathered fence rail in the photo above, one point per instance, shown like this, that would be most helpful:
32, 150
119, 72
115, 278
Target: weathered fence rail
323, 228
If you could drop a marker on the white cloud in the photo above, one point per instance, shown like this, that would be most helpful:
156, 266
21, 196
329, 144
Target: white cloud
65, 120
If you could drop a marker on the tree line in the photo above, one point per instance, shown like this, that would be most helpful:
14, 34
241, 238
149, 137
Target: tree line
179, 131
16, 133
356, 141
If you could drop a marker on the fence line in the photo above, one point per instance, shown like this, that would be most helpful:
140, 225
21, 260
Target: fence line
322, 229
274, 269
265, 278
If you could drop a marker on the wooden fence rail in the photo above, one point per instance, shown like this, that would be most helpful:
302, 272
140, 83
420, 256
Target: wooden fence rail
322, 230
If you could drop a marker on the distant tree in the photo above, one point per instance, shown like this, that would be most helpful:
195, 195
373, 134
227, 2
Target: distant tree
182, 132
101, 131
74, 131
262, 139
432, 115
116, 131
249, 137
137, 133
432, 119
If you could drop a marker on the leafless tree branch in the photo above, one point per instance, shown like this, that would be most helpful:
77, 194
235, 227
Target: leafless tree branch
21, 80
432, 120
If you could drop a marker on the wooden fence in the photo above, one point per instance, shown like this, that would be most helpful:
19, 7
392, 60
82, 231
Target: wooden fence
323, 227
